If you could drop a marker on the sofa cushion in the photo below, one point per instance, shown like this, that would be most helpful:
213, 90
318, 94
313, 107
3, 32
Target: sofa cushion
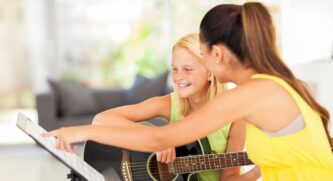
145, 88
73, 98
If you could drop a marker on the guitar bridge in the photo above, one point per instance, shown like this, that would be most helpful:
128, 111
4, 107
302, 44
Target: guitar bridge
126, 171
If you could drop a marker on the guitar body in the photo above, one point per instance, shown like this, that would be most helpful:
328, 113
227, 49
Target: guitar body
102, 158
136, 166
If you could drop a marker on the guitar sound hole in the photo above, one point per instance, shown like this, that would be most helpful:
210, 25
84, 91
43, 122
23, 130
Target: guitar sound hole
159, 171
153, 168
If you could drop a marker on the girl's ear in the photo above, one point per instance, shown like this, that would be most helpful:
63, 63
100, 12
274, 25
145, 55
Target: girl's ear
210, 76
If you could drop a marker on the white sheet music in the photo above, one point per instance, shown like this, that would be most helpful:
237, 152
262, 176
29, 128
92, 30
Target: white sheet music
72, 160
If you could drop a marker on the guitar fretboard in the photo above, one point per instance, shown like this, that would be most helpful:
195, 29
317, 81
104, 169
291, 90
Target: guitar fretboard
209, 162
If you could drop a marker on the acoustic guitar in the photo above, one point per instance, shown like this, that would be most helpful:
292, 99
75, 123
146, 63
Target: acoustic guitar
139, 166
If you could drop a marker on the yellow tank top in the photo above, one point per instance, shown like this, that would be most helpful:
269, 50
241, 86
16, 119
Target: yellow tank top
305, 155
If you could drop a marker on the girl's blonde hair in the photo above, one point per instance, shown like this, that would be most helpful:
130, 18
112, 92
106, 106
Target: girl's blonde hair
191, 43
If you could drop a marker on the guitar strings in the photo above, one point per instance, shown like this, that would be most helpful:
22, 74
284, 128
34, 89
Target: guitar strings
143, 174
198, 160
144, 167
183, 163
153, 168
139, 169
208, 157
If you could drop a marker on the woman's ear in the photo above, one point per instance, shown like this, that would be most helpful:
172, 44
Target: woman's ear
217, 53
223, 53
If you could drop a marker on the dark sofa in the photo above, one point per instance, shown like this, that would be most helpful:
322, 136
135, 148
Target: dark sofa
69, 103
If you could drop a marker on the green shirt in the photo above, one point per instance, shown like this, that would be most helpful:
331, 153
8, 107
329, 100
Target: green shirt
217, 140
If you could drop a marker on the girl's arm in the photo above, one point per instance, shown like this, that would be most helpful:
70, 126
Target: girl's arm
236, 143
154, 107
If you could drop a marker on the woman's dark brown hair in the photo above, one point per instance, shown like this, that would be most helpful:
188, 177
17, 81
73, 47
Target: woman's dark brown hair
249, 33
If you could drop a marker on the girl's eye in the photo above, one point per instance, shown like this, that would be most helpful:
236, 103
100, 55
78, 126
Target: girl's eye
188, 69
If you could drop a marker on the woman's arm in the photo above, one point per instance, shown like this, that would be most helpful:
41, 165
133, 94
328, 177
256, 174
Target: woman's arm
231, 105
154, 107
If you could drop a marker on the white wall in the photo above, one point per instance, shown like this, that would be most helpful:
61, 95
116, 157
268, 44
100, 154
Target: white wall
39, 42
319, 77
306, 30
306, 37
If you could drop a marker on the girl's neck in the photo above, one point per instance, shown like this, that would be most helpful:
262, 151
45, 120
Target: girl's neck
196, 101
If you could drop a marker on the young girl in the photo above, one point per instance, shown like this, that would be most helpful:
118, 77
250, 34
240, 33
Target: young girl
286, 128
194, 86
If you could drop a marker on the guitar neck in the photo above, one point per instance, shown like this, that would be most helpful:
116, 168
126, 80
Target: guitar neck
208, 162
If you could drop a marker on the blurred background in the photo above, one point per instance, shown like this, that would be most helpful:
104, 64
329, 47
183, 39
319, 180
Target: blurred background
106, 44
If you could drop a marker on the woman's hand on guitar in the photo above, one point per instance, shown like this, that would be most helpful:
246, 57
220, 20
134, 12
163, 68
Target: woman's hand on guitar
67, 136
166, 156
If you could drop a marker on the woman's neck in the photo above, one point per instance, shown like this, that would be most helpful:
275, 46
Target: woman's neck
243, 75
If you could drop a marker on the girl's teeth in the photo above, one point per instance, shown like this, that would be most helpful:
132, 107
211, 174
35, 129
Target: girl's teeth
183, 85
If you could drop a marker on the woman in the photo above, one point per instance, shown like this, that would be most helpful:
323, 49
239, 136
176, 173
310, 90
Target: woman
194, 86
287, 129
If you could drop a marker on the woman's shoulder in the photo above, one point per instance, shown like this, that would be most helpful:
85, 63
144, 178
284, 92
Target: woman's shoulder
260, 85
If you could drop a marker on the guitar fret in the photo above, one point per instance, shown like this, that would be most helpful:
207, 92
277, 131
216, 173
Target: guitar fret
201, 165
234, 160
179, 166
182, 166
189, 164
171, 168
194, 164
244, 160
230, 160
213, 161
197, 163
210, 166
219, 160
193, 161
217, 165
225, 161
176, 164
210, 162
186, 165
